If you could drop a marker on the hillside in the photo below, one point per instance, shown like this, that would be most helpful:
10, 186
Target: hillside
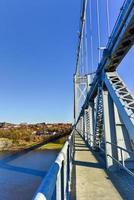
20, 136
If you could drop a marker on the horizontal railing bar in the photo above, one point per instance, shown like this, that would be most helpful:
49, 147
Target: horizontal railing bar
120, 147
125, 168
118, 162
47, 187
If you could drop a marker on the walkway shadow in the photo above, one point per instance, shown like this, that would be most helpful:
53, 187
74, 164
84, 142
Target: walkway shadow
81, 149
87, 164
81, 146
112, 176
24, 170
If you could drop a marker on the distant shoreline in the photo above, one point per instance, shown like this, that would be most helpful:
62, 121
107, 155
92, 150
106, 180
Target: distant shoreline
48, 144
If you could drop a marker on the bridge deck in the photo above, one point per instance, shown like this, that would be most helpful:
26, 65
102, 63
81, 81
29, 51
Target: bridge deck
90, 181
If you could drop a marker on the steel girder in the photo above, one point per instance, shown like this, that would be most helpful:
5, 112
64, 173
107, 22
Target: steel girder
99, 122
123, 100
121, 40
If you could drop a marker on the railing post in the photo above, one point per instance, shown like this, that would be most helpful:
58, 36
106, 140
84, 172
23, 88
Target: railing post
68, 170
58, 187
62, 181
122, 157
65, 175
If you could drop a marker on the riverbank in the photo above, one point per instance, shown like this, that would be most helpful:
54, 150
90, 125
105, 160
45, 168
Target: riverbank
51, 145
52, 142
19, 137
56, 145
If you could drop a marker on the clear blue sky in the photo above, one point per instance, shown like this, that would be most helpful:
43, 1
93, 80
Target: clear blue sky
38, 40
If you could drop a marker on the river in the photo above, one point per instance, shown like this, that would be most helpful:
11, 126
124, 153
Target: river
22, 173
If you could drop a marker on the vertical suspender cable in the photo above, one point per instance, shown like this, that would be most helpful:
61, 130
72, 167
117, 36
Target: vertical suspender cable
86, 49
80, 61
98, 30
108, 18
82, 56
91, 36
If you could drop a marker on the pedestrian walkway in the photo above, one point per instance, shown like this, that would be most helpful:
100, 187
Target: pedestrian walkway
90, 181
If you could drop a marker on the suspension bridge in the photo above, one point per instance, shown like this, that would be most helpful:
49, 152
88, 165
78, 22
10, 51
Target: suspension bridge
97, 160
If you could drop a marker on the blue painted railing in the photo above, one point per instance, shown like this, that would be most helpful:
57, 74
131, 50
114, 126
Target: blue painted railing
56, 184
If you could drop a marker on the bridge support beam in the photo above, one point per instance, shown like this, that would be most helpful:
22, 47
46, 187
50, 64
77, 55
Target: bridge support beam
82, 126
75, 100
86, 124
109, 131
123, 140
90, 130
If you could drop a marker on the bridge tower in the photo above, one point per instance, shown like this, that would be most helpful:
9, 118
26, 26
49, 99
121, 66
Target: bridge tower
82, 79
81, 88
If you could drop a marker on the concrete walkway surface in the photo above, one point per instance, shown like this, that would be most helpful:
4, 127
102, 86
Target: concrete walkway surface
90, 180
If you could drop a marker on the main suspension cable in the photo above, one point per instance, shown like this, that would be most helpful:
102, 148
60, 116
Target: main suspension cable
83, 18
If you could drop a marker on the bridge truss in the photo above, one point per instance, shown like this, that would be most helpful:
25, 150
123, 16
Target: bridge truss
105, 117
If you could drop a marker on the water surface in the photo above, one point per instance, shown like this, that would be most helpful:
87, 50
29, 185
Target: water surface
22, 173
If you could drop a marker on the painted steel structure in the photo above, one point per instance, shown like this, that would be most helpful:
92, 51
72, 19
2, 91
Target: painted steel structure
103, 109
109, 106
